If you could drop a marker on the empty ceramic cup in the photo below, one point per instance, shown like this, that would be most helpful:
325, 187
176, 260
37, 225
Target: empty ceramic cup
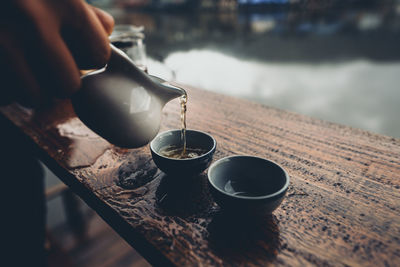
200, 150
247, 184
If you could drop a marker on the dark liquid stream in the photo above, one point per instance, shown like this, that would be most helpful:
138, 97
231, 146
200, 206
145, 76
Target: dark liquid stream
182, 152
183, 100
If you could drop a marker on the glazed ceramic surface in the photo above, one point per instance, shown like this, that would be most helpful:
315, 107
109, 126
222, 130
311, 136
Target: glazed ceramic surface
183, 167
121, 103
246, 183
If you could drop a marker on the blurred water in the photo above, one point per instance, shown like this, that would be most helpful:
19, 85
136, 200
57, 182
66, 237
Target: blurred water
359, 93
339, 65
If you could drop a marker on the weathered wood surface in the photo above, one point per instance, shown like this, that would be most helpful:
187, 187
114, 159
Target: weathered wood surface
342, 207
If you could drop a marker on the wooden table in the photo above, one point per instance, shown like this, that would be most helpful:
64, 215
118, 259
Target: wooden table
342, 207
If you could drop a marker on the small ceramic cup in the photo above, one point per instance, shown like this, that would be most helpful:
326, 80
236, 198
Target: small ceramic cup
247, 184
183, 167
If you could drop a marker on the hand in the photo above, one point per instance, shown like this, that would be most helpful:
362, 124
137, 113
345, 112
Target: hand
44, 43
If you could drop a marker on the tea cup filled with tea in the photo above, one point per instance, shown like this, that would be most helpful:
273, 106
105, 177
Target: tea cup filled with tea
178, 157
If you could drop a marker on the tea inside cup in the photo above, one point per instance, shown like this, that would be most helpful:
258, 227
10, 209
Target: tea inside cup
168, 155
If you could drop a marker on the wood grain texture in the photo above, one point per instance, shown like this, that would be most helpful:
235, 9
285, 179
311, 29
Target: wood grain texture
342, 207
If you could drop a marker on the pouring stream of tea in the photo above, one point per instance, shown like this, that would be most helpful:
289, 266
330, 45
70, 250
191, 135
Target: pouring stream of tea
183, 100
182, 151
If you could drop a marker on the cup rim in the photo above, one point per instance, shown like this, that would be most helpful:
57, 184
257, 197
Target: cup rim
187, 130
277, 193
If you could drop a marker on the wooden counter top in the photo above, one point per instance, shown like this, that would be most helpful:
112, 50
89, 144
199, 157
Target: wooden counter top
342, 206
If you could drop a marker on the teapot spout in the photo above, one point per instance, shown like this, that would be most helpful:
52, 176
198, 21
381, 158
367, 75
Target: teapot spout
121, 63
170, 92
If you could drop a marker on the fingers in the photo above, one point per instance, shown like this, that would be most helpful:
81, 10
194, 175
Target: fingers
87, 37
58, 70
42, 53
48, 56
43, 43
106, 19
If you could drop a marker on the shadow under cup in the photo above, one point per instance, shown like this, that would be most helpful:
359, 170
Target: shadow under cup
188, 166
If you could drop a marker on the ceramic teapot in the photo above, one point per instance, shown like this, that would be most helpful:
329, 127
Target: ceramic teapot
121, 103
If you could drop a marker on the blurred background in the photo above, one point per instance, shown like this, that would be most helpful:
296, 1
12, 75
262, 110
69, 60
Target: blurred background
334, 60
